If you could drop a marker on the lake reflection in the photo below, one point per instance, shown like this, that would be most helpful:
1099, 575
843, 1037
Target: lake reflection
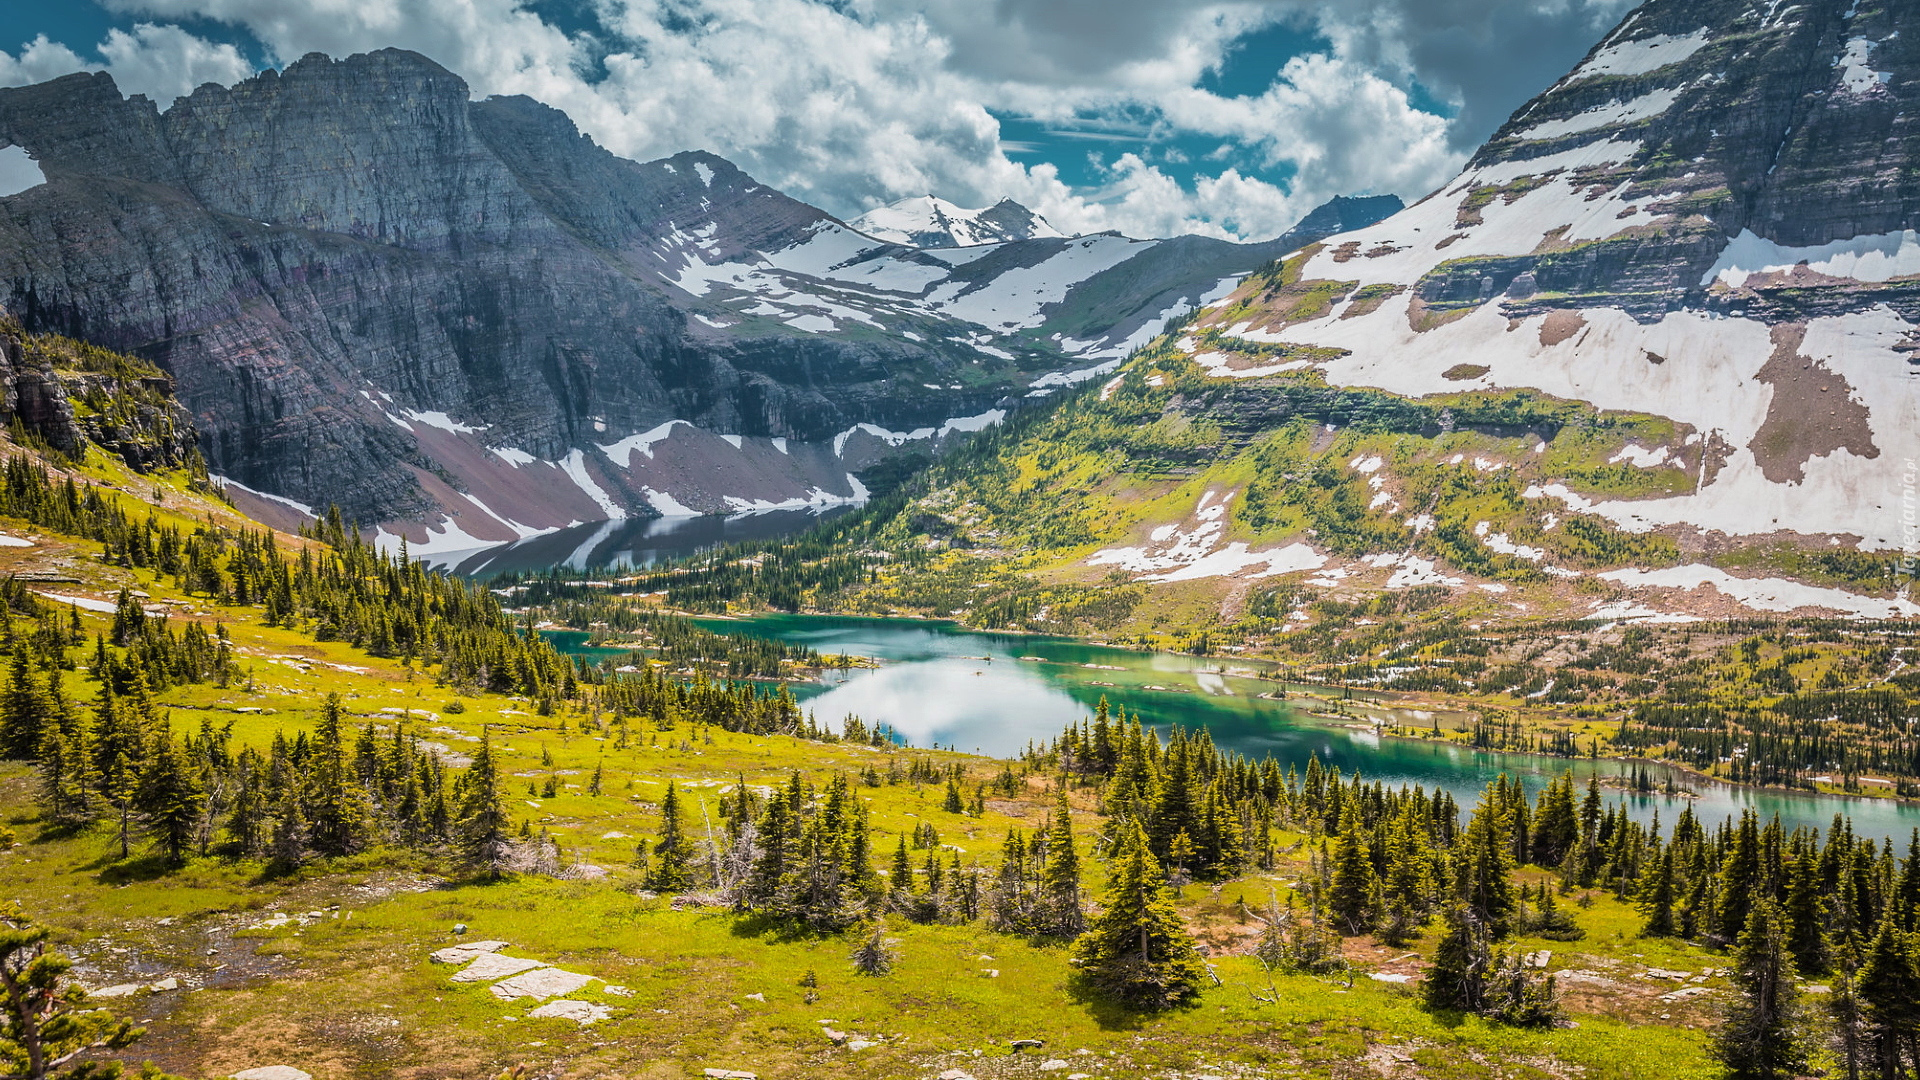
997, 692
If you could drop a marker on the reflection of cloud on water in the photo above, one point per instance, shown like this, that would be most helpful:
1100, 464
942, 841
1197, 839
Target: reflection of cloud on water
1213, 683
943, 701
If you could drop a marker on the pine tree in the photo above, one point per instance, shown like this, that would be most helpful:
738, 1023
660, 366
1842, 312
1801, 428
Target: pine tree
169, 797
953, 803
1062, 914
1486, 865
1760, 1036
45, 1017
1462, 963
1354, 895
1658, 899
64, 787
1889, 989
23, 711
336, 805
483, 824
1136, 949
673, 854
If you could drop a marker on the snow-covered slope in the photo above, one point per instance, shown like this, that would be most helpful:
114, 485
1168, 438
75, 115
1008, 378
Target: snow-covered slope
1711, 220
928, 222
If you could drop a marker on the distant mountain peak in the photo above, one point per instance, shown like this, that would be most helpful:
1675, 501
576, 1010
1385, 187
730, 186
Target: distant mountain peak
931, 222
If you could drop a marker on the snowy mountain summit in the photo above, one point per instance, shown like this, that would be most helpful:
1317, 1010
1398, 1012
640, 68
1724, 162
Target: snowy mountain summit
928, 222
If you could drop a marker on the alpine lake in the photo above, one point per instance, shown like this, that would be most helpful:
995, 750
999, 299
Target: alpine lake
937, 683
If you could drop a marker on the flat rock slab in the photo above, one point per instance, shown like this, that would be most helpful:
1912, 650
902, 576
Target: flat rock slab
583, 1012
490, 966
729, 1074
540, 984
122, 990
273, 1072
467, 951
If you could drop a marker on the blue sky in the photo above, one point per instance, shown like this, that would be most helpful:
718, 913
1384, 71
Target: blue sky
1232, 118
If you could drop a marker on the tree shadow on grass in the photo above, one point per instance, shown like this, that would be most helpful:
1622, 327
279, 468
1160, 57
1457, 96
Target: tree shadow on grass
116, 871
1111, 1013
773, 928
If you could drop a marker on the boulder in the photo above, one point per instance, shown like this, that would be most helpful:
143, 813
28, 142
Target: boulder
956, 1074
729, 1074
1027, 1044
168, 983
1053, 1064
490, 966
273, 1072
466, 951
540, 984
122, 990
582, 1012
861, 1044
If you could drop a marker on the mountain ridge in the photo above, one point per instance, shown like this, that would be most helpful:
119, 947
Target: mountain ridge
375, 291
929, 222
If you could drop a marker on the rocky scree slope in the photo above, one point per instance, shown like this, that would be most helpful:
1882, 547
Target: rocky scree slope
465, 319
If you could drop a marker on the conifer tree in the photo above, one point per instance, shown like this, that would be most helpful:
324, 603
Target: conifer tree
1136, 949
900, 874
64, 787
673, 854
336, 805
23, 710
1760, 1036
1658, 900
1486, 865
45, 1017
1889, 989
1353, 896
169, 797
1062, 912
483, 825
1462, 962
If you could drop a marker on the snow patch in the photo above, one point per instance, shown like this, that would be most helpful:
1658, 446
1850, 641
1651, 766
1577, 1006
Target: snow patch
667, 504
575, 466
1879, 257
1613, 112
225, 481
1856, 74
1642, 56
621, 453
1767, 594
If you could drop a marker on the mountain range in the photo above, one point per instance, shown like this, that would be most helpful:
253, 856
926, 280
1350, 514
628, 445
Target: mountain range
929, 222
1653, 354
464, 321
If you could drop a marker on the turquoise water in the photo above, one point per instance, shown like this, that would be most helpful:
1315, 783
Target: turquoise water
974, 691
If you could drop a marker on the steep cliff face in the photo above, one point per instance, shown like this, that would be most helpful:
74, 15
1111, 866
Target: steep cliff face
67, 394
1710, 220
376, 291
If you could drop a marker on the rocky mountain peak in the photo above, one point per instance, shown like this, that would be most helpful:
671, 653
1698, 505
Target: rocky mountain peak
930, 222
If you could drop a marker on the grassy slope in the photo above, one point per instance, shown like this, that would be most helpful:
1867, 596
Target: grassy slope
353, 994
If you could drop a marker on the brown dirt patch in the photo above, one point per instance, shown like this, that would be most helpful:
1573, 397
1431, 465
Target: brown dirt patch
1368, 298
1561, 326
1422, 319
1465, 372
1813, 412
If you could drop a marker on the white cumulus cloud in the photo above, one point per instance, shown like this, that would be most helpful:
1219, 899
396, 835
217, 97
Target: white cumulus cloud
855, 103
